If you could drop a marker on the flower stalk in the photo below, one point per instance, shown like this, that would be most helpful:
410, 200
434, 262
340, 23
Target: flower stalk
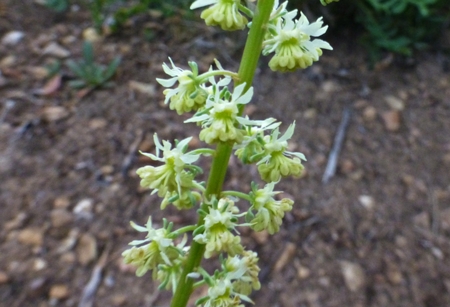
219, 112
216, 178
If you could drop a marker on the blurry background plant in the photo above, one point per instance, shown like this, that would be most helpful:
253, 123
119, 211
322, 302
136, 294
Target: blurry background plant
89, 73
399, 26
113, 14
57, 5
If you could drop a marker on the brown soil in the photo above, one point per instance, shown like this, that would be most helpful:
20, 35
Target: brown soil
378, 234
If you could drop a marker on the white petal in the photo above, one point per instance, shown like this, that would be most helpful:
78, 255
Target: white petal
322, 44
151, 156
200, 3
137, 227
184, 142
138, 242
246, 97
288, 134
195, 119
167, 82
297, 154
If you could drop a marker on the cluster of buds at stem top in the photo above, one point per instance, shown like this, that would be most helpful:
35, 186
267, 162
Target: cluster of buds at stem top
217, 109
289, 38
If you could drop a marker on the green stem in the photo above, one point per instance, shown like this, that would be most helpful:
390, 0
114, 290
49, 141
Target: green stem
237, 194
219, 165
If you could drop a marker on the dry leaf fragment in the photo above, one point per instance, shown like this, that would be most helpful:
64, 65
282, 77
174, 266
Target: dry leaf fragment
50, 87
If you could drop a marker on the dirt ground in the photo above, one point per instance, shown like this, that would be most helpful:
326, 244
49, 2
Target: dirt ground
376, 235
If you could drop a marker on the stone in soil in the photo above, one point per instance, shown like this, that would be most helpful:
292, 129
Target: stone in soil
354, 275
86, 249
392, 120
59, 292
31, 236
60, 218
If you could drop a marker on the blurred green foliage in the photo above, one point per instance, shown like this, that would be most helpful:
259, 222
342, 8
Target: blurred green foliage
89, 73
115, 13
57, 5
399, 26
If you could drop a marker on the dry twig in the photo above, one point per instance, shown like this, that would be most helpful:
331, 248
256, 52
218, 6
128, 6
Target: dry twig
87, 298
338, 141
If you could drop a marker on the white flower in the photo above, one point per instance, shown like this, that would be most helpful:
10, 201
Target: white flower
219, 222
159, 249
171, 176
277, 161
190, 94
221, 120
223, 13
222, 294
291, 43
250, 149
270, 212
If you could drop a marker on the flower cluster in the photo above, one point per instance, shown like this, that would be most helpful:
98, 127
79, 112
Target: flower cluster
190, 94
287, 37
216, 233
223, 13
270, 212
233, 284
270, 151
175, 178
221, 121
158, 248
290, 40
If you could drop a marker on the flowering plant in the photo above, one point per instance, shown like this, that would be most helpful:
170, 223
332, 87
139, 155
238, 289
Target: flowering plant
218, 108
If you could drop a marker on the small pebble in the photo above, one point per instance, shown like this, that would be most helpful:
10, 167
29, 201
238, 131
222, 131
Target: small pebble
4, 278
395, 103
118, 300
394, 276
60, 218
366, 201
56, 50
310, 114
303, 272
286, 256
17, 222
97, 123
260, 237
31, 236
84, 208
148, 89
369, 114
391, 120
8, 61
422, 220
59, 292
36, 287
354, 275
91, 35
86, 249
39, 264
54, 113
61, 203
68, 258
444, 216
12, 38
